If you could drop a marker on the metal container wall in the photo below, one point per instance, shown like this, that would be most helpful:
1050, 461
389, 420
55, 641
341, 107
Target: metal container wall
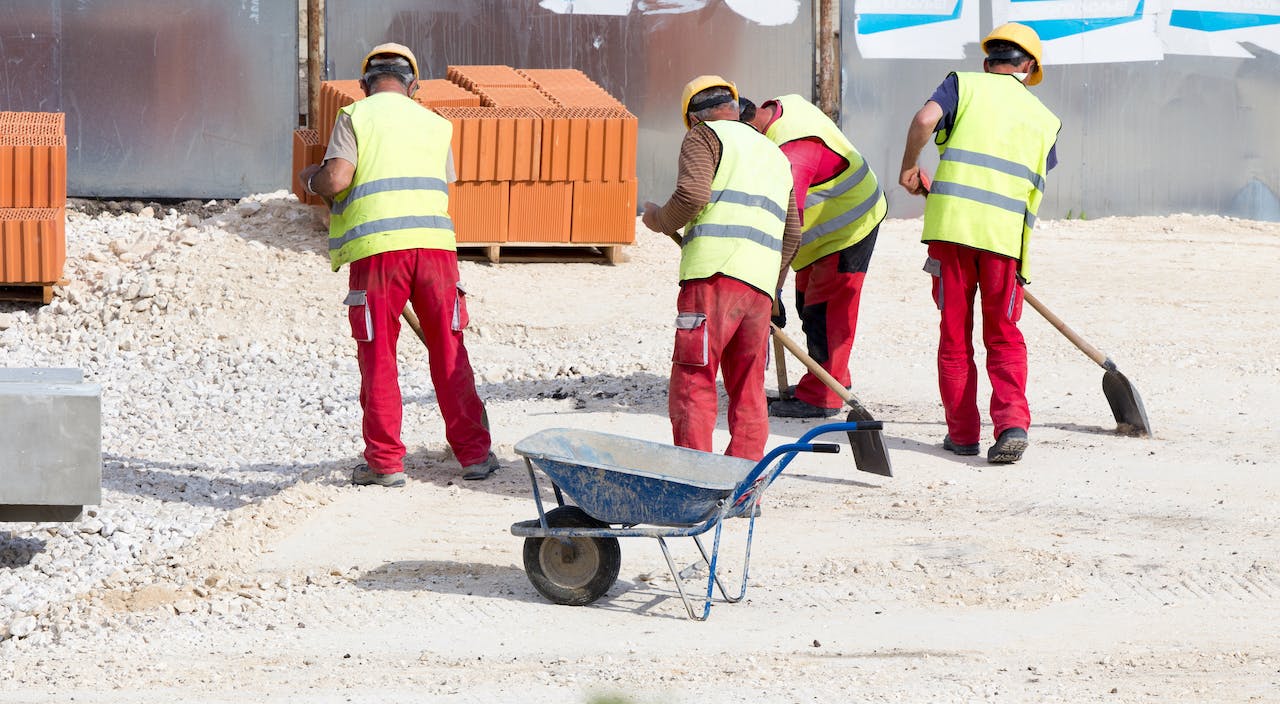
642, 59
1187, 134
186, 98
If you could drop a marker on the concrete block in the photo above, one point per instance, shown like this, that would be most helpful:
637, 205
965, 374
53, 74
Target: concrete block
50, 444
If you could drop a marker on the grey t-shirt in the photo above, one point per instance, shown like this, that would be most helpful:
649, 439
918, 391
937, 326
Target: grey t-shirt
342, 145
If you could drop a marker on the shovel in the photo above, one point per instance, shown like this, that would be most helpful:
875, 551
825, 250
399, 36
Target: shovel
1126, 404
869, 451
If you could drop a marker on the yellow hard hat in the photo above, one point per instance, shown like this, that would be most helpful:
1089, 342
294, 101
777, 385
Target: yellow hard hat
390, 48
698, 85
1023, 36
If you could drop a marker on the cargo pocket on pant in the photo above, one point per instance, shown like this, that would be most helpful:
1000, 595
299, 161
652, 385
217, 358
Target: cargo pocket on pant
933, 267
358, 313
1015, 303
691, 340
460, 317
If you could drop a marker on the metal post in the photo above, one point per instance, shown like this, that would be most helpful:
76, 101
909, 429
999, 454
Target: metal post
827, 71
315, 58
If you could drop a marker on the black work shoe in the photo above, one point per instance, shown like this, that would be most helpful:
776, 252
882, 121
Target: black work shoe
363, 476
481, 470
966, 450
795, 408
1008, 447
791, 393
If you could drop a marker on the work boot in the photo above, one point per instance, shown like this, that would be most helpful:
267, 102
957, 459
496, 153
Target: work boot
1009, 446
791, 393
363, 476
964, 450
481, 470
795, 408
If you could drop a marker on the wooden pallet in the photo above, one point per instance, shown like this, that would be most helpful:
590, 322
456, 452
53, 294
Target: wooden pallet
31, 293
497, 253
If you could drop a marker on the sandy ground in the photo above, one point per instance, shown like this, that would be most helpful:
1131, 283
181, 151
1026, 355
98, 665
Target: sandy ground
1101, 568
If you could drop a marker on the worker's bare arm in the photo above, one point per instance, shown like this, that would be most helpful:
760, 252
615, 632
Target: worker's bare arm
329, 179
922, 125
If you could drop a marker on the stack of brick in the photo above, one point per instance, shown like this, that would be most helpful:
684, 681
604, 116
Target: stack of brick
33, 199
583, 187
542, 155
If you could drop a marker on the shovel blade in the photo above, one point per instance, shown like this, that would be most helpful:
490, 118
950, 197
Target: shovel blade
869, 451
1126, 404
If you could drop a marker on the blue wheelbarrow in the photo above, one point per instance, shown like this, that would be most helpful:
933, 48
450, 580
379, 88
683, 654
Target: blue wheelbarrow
622, 487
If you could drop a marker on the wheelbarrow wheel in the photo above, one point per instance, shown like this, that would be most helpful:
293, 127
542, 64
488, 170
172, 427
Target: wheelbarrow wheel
572, 571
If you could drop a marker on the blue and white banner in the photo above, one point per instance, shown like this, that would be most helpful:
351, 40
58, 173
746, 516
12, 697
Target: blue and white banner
915, 29
1087, 31
1216, 27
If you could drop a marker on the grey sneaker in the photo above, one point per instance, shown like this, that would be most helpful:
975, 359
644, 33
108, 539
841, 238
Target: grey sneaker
363, 476
1009, 446
481, 470
952, 446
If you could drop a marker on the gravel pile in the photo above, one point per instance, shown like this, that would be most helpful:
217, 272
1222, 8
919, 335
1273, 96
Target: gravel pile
216, 334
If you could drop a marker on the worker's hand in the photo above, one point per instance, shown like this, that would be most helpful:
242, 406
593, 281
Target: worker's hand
910, 180
779, 316
650, 216
305, 175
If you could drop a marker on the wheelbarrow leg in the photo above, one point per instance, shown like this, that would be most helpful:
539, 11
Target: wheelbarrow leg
675, 574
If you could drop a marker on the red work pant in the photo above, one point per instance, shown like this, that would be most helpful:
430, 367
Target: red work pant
828, 293
964, 271
735, 338
428, 278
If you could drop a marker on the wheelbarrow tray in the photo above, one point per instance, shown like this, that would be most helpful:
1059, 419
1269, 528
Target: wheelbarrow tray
622, 480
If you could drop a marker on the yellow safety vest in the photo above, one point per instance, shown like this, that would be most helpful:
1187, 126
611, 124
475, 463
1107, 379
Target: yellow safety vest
991, 176
738, 233
840, 211
398, 197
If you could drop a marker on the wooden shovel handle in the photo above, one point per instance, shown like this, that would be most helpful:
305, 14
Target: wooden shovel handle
813, 366
1093, 352
780, 364
412, 320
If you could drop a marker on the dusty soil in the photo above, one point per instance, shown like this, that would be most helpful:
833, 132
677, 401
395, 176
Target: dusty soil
1101, 568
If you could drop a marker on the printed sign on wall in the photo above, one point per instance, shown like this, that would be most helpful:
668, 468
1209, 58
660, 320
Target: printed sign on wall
915, 29
1216, 27
1087, 31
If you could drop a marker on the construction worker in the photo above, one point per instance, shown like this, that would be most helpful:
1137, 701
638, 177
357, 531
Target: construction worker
385, 175
996, 144
841, 206
733, 196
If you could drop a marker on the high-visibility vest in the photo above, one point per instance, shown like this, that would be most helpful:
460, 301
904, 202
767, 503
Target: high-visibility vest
738, 233
991, 174
398, 197
842, 210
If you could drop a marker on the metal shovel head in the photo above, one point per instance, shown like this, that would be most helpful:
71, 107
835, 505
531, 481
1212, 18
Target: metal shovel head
869, 451
1126, 404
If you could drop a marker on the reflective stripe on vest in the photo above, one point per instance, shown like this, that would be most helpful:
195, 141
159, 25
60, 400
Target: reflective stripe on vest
738, 232
398, 198
842, 210
991, 170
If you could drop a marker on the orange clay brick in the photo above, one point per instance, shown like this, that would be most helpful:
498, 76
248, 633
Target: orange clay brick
49, 123
33, 246
604, 213
33, 171
307, 150
439, 93
540, 211
495, 144
502, 97
472, 77
479, 210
